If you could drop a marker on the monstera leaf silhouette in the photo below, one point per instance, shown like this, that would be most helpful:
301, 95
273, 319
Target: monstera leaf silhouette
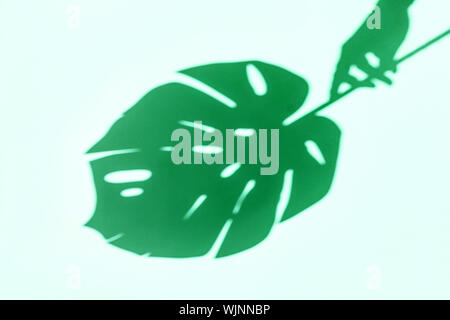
178, 211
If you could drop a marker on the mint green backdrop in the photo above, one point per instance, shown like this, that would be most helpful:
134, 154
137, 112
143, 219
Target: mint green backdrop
382, 232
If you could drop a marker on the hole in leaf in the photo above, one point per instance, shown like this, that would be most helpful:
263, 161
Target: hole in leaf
207, 149
230, 170
248, 187
357, 73
132, 192
104, 154
125, 176
197, 126
116, 237
195, 206
344, 87
285, 195
220, 239
256, 80
373, 60
314, 150
202, 87
244, 132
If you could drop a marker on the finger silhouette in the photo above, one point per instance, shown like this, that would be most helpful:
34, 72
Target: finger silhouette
376, 73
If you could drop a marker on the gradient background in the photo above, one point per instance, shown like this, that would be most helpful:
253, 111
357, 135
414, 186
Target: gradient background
382, 232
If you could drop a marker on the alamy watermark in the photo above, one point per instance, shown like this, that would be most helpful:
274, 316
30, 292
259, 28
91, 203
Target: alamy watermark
374, 20
73, 16
374, 278
239, 146
73, 280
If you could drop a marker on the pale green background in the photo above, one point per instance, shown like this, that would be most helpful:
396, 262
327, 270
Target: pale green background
386, 219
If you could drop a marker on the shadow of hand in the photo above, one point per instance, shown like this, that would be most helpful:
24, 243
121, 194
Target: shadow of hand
380, 44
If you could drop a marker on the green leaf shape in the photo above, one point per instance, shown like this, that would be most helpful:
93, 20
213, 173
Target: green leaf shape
159, 222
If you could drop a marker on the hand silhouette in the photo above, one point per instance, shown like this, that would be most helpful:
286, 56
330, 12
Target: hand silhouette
383, 43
